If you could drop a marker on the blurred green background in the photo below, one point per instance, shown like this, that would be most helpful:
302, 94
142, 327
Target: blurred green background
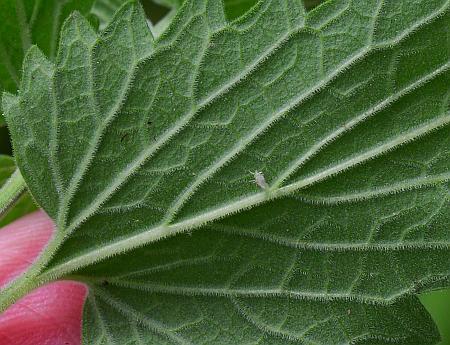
436, 302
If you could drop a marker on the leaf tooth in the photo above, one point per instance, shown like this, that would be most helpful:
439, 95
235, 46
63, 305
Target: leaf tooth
35, 59
74, 26
142, 35
132, 14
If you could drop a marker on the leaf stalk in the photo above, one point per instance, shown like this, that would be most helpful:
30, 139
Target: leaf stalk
11, 191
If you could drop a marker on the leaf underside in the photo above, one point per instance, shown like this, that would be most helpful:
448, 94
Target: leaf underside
141, 151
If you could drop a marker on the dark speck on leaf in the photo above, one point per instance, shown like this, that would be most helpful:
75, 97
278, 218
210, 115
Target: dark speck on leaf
122, 139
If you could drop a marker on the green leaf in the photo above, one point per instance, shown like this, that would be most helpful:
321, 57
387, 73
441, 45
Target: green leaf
140, 150
104, 10
437, 302
233, 8
170, 3
27, 22
14, 201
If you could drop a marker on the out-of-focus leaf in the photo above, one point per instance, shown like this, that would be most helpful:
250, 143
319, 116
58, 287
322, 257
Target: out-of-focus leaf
104, 10
25, 203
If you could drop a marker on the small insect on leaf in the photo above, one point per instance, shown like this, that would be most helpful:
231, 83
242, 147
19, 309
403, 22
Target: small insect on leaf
260, 179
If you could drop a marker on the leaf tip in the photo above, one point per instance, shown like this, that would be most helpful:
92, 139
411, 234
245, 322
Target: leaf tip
33, 52
76, 20
35, 56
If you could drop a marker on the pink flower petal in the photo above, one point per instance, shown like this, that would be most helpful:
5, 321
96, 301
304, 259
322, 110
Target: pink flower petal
50, 315
21, 242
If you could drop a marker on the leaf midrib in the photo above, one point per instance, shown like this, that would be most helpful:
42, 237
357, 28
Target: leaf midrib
165, 138
90, 153
181, 199
355, 121
232, 295
162, 231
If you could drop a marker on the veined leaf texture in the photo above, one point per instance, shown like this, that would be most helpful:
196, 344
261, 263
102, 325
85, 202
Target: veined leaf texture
141, 151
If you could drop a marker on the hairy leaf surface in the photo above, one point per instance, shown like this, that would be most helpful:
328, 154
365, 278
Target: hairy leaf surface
141, 150
104, 10
27, 22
